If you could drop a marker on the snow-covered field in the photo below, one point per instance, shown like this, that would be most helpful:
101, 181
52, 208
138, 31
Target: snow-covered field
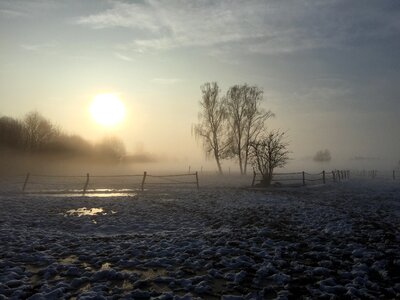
225, 242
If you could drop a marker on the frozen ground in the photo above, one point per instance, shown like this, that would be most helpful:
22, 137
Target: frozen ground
330, 241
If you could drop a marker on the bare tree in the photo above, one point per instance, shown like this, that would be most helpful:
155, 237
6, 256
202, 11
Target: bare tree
246, 119
38, 131
268, 153
212, 123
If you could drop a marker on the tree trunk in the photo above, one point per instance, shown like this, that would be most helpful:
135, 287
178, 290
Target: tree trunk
240, 164
216, 155
266, 181
246, 160
219, 166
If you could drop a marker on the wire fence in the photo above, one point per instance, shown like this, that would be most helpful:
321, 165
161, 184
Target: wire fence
375, 174
126, 183
86, 184
303, 178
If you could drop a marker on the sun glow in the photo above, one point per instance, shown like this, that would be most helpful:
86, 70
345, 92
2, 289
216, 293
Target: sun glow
107, 109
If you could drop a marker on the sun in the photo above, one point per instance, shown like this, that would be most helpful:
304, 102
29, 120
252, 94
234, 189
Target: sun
107, 109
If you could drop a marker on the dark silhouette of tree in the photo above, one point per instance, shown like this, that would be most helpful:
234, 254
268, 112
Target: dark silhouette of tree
212, 123
246, 119
11, 133
36, 134
268, 153
70, 145
322, 156
38, 131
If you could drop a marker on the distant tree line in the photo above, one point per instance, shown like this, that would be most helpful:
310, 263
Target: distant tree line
35, 134
233, 126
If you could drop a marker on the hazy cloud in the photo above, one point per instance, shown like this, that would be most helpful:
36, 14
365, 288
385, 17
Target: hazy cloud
11, 13
252, 26
38, 47
28, 8
122, 56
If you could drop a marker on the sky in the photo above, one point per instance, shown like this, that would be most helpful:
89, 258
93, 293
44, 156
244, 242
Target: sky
330, 70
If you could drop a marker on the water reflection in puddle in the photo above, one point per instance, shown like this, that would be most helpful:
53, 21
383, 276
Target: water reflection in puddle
110, 193
83, 211
100, 193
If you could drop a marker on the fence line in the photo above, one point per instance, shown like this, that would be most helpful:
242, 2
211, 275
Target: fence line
334, 176
373, 174
29, 180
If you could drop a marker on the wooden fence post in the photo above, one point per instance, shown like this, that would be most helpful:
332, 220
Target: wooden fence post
26, 181
323, 176
197, 180
254, 178
304, 178
144, 179
338, 175
333, 176
86, 184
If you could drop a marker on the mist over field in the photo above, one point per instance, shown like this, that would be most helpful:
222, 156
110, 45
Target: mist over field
178, 150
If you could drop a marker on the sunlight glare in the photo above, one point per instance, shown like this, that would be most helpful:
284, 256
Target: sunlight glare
107, 109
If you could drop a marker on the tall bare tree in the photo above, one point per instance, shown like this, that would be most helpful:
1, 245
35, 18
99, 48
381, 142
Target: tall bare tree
212, 122
268, 153
247, 120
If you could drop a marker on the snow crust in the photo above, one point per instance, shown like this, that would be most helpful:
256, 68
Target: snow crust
338, 240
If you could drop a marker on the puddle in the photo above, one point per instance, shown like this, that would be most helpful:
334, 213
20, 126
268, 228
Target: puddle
97, 194
89, 193
83, 211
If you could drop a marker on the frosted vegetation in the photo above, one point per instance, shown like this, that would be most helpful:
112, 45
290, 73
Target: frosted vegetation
336, 240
